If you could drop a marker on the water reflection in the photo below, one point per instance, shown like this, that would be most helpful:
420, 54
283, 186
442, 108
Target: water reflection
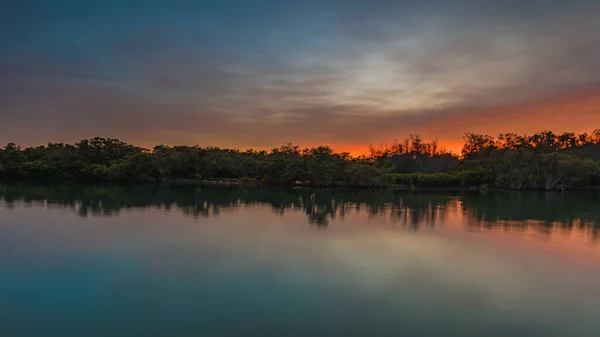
542, 211
251, 262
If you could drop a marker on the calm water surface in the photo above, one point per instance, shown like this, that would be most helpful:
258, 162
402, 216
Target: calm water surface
151, 261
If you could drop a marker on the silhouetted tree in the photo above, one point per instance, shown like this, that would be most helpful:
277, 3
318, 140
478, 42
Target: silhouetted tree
541, 161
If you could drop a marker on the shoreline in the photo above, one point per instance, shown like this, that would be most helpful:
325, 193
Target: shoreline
232, 183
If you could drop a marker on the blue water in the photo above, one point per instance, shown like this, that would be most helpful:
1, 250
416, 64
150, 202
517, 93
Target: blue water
191, 262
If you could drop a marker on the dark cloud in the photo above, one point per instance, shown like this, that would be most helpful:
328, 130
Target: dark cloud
335, 72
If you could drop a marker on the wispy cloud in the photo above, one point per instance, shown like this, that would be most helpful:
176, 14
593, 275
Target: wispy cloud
344, 73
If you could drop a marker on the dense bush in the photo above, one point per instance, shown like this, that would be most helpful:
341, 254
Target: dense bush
102, 159
449, 179
541, 161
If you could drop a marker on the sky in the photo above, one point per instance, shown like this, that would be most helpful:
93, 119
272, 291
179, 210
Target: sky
258, 74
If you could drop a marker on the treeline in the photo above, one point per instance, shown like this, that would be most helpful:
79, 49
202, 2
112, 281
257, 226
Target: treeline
544, 160
101, 159
541, 161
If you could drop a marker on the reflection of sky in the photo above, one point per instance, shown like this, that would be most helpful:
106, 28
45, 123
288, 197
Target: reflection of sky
157, 272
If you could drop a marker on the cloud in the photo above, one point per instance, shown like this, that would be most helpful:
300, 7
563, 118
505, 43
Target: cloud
325, 72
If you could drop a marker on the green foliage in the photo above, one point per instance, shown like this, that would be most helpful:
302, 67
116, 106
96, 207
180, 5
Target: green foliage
449, 179
364, 174
542, 161
139, 167
247, 180
95, 172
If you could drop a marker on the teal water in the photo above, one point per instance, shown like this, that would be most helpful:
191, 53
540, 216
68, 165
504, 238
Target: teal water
182, 261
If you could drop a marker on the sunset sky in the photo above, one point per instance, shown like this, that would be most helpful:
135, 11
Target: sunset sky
257, 74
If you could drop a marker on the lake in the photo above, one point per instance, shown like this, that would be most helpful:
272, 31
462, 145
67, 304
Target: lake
184, 261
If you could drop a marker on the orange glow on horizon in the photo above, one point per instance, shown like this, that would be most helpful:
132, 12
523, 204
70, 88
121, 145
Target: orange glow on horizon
577, 111
453, 146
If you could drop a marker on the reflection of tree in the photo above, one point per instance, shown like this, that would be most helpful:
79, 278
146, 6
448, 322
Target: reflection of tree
411, 210
549, 207
544, 211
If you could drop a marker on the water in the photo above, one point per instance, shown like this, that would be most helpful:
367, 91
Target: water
150, 261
